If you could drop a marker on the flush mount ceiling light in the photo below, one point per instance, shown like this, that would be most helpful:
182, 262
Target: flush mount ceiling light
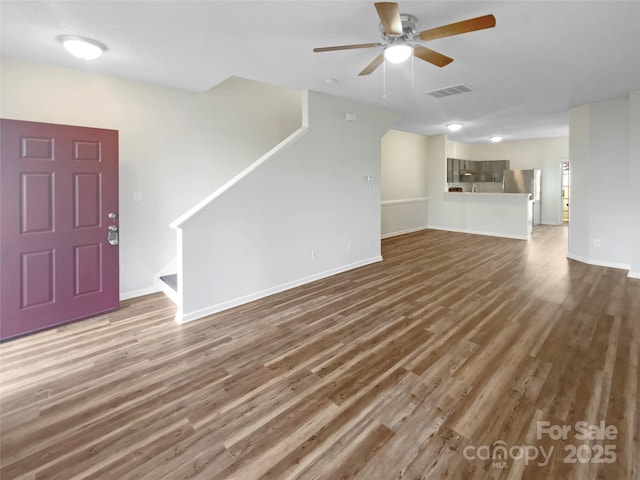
495, 138
81, 47
397, 52
454, 127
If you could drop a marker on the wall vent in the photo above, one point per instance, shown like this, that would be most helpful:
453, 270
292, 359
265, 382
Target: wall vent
448, 91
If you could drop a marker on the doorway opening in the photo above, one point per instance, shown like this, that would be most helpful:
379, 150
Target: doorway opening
566, 179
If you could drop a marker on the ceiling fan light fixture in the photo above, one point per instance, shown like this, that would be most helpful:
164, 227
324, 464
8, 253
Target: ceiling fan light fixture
454, 127
84, 48
398, 52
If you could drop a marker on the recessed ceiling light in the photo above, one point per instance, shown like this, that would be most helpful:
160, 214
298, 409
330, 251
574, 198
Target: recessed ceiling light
495, 138
331, 81
81, 47
454, 127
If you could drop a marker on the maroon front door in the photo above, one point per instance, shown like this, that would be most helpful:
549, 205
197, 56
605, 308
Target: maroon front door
58, 204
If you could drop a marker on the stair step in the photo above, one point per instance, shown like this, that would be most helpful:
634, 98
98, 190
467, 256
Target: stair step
171, 280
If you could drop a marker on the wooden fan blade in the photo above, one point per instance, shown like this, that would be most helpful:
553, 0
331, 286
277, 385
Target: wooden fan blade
471, 25
346, 47
431, 56
373, 65
389, 14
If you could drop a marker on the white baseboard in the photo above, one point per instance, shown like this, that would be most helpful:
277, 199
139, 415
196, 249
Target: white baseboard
633, 274
219, 307
402, 232
599, 263
138, 293
480, 232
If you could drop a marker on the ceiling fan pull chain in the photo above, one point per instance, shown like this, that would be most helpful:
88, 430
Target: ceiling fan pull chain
412, 82
384, 79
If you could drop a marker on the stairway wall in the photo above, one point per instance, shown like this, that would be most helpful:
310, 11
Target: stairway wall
312, 209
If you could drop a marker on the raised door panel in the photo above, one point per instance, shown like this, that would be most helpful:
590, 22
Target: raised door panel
36, 202
37, 278
87, 269
87, 192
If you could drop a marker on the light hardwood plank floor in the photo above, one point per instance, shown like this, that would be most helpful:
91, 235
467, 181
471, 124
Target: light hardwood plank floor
458, 356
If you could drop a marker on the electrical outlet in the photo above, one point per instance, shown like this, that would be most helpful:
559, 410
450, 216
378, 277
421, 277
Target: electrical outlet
596, 242
349, 247
314, 254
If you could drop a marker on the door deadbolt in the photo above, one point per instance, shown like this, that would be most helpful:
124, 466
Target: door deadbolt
112, 236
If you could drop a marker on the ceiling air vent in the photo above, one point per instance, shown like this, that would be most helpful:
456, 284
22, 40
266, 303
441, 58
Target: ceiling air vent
448, 91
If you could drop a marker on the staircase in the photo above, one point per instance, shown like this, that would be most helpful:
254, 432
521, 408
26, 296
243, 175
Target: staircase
169, 285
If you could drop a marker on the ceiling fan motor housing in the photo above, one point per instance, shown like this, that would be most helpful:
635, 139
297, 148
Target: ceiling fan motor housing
409, 29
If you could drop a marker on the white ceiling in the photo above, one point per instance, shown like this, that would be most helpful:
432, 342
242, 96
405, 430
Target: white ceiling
541, 59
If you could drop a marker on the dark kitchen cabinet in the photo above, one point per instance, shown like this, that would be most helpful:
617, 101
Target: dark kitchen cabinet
459, 170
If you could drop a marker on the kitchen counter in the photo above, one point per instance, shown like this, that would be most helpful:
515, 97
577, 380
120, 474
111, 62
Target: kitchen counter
499, 214
496, 194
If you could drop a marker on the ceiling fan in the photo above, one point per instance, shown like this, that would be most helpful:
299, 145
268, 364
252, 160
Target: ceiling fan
399, 34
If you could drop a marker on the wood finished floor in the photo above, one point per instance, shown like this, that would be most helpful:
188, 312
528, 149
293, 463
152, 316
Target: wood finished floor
452, 347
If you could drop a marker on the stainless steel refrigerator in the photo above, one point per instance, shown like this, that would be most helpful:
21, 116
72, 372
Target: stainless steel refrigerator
524, 181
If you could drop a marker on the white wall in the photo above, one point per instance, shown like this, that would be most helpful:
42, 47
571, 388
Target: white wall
604, 183
437, 179
404, 165
404, 182
634, 181
305, 213
176, 147
579, 201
